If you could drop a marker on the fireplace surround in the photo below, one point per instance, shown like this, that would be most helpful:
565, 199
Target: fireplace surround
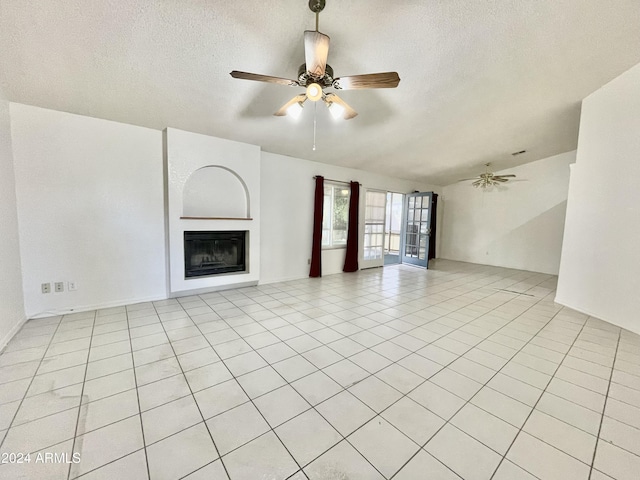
213, 185
209, 253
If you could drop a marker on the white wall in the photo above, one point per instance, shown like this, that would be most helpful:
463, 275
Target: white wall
518, 225
90, 209
287, 198
600, 267
11, 300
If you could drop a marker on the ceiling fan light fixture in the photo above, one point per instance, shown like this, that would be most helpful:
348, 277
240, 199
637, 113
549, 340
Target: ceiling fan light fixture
295, 109
336, 110
315, 75
314, 92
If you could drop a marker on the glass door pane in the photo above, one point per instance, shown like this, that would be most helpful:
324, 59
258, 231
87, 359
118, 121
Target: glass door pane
374, 223
417, 229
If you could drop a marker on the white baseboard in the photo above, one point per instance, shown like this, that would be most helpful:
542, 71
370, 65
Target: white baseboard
11, 333
632, 328
282, 280
98, 306
219, 288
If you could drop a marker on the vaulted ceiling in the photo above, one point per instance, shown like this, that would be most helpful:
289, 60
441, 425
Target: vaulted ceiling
480, 78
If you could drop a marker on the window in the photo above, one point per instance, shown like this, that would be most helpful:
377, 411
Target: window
336, 216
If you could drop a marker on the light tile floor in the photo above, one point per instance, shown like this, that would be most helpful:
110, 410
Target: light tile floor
462, 371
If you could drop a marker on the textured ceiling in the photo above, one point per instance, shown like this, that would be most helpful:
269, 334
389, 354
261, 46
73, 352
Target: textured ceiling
480, 78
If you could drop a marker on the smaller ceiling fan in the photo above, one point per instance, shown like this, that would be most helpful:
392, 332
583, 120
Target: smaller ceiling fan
488, 179
315, 75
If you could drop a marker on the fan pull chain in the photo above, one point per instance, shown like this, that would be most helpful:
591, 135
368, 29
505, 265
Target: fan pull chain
317, 20
315, 109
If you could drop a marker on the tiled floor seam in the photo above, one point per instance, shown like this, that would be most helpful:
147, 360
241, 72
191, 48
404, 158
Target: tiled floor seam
287, 383
604, 408
405, 395
532, 410
135, 381
197, 406
28, 387
303, 304
86, 366
447, 421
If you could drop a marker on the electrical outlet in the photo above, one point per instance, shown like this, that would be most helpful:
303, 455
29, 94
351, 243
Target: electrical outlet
72, 286
59, 287
46, 288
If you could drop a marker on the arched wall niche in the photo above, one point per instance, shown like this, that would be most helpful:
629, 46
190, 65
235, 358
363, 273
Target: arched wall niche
215, 191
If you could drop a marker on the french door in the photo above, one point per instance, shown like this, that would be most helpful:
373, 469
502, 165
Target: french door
417, 229
374, 219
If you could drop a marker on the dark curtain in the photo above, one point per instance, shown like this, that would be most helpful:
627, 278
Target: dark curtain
351, 258
316, 248
434, 224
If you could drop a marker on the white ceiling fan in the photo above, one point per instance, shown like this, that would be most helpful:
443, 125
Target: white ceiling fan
316, 75
488, 179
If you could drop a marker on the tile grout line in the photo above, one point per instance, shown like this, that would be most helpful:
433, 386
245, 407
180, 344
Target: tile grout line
466, 402
31, 382
604, 407
302, 354
459, 356
203, 389
287, 383
395, 362
274, 314
534, 408
367, 290
271, 390
186, 381
135, 381
86, 367
233, 376
211, 417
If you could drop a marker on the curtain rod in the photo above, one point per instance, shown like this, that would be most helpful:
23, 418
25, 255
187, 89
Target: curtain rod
336, 181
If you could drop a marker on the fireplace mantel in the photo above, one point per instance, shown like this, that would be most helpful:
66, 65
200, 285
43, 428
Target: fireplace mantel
215, 218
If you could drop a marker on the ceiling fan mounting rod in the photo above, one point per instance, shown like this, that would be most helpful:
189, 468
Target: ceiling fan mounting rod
316, 6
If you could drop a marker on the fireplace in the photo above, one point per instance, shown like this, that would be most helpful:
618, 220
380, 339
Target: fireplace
214, 253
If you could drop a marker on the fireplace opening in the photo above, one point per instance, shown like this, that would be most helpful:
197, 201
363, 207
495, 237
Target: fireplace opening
214, 253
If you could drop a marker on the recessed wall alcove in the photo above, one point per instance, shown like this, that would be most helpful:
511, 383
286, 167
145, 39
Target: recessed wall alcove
215, 191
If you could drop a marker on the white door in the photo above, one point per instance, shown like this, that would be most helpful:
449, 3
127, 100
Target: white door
374, 216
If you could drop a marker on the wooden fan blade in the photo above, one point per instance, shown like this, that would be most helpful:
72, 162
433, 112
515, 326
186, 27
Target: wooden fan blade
316, 50
264, 78
467, 179
349, 112
370, 80
499, 179
505, 176
283, 110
